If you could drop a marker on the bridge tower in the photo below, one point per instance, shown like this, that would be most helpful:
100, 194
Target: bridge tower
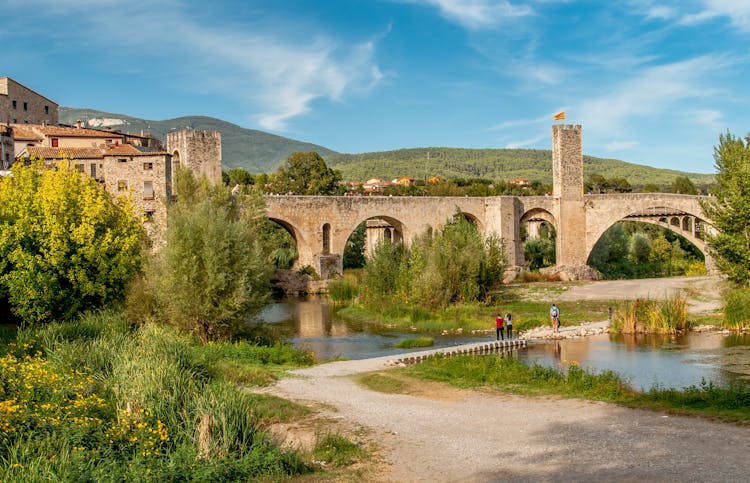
567, 190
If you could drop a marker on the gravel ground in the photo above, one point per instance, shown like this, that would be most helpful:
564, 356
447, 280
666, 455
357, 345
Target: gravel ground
473, 435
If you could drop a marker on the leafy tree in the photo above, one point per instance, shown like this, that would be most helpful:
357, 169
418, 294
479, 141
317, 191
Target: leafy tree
729, 210
212, 274
595, 183
65, 244
619, 185
683, 185
539, 253
354, 251
306, 174
651, 188
239, 176
640, 247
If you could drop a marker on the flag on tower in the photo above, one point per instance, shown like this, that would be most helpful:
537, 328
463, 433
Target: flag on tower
560, 116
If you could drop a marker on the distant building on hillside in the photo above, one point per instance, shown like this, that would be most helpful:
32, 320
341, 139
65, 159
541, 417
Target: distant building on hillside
21, 105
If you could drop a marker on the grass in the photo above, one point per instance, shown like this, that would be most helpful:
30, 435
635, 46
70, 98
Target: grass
475, 317
98, 400
337, 450
508, 374
383, 383
415, 342
667, 316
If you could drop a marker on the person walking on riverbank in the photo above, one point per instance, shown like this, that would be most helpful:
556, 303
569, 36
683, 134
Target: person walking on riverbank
509, 325
499, 326
554, 315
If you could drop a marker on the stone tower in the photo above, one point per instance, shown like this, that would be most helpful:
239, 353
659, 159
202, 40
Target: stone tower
197, 150
567, 186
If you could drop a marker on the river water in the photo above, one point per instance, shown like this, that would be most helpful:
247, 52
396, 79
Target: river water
644, 361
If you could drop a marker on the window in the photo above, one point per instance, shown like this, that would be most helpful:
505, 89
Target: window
15, 121
148, 190
55, 142
122, 185
46, 109
92, 169
148, 166
25, 106
149, 215
15, 106
79, 168
122, 160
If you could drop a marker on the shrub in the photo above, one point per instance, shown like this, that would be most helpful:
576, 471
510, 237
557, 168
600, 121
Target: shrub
737, 309
341, 290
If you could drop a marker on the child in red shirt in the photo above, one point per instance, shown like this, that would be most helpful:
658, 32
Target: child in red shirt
499, 326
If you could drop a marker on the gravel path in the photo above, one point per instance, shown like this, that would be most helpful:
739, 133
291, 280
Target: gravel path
472, 435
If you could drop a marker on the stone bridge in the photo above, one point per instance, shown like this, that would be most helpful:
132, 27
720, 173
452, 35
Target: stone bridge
321, 225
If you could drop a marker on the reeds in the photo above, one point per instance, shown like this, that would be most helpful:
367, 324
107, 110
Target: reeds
666, 316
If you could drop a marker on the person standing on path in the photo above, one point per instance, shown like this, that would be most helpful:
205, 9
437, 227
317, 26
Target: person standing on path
499, 326
509, 325
554, 315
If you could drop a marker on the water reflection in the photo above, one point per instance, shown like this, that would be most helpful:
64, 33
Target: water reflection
643, 360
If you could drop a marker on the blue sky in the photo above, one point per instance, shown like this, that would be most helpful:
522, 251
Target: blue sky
652, 82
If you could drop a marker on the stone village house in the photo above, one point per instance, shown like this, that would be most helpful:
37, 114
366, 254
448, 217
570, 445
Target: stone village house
137, 165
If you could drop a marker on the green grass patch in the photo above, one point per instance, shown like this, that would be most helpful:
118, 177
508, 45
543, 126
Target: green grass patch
98, 400
415, 342
337, 450
508, 374
383, 383
468, 317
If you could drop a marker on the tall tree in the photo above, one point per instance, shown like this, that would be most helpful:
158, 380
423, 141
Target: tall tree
65, 244
729, 209
683, 185
306, 174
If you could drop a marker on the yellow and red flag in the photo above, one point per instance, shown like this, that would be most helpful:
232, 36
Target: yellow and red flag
560, 116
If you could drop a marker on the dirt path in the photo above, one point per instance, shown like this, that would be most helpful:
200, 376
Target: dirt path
477, 435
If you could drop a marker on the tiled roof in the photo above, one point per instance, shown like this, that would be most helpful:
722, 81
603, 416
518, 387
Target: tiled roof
21, 134
130, 150
41, 152
72, 132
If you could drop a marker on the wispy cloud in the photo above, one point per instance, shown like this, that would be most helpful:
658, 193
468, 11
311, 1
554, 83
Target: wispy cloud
655, 91
526, 142
477, 14
620, 145
277, 75
547, 118
737, 11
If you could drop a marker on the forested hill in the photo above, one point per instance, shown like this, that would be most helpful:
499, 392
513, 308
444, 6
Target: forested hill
256, 151
500, 164
261, 152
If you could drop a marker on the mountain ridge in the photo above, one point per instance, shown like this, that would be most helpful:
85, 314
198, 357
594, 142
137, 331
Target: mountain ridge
259, 152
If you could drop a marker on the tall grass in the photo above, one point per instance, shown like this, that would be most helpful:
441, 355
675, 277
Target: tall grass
94, 400
666, 316
341, 291
737, 309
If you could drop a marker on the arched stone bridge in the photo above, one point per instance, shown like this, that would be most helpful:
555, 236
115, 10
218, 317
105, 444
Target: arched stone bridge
321, 225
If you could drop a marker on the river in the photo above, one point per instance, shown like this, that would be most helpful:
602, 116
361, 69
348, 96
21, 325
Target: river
644, 361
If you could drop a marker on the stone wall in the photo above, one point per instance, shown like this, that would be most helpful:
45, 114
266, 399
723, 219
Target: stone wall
197, 150
129, 175
30, 107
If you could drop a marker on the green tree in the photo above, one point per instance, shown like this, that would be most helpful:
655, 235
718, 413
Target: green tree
239, 176
651, 188
595, 183
683, 185
306, 174
212, 274
729, 209
65, 244
354, 250
640, 247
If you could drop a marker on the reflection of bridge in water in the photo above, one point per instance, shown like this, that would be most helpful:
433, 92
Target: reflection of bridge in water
321, 225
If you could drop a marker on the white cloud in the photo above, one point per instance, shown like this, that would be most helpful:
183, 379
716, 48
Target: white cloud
276, 74
545, 119
526, 142
738, 12
708, 117
620, 145
655, 91
477, 14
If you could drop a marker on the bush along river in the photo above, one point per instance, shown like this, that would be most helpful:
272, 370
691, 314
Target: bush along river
642, 360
